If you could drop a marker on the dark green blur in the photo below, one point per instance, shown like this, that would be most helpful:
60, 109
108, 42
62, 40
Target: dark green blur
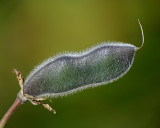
33, 30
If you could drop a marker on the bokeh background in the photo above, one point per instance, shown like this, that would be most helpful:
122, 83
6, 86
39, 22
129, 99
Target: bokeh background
33, 30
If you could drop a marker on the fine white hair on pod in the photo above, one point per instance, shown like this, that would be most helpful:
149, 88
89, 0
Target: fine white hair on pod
72, 72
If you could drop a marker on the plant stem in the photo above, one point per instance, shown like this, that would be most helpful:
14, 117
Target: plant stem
5, 118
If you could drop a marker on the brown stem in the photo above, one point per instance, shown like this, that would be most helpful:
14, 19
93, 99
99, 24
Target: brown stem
5, 118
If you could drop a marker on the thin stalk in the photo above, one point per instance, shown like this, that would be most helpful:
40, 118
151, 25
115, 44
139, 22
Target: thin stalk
5, 118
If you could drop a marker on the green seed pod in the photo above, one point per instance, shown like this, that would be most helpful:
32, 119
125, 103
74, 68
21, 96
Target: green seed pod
69, 73
72, 72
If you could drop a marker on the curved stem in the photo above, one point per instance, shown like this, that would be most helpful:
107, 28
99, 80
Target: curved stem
5, 118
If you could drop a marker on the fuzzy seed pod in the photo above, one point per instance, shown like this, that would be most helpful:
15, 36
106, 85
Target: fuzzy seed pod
72, 72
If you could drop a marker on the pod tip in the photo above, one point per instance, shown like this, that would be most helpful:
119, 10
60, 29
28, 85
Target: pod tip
137, 48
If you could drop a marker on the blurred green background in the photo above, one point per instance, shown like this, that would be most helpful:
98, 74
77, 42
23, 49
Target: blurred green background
33, 30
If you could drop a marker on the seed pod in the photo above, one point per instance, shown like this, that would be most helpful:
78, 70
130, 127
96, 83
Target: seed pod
72, 72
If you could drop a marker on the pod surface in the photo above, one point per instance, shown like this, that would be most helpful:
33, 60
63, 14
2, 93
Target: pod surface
72, 72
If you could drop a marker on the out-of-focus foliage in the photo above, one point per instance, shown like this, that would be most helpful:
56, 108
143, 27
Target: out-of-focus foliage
31, 31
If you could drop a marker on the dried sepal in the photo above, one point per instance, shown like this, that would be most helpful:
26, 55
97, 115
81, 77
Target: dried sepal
24, 97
